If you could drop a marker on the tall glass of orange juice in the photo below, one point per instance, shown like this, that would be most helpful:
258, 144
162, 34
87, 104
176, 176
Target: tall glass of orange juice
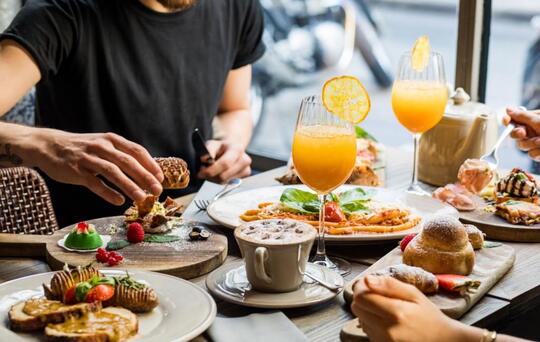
419, 97
324, 154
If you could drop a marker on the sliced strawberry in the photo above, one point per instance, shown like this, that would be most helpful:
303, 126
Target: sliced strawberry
405, 241
457, 283
82, 227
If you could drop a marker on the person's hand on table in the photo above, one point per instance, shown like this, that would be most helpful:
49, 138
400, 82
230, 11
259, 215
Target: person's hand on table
231, 161
79, 159
527, 131
390, 310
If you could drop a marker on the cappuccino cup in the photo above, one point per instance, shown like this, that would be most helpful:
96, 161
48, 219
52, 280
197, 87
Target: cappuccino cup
275, 252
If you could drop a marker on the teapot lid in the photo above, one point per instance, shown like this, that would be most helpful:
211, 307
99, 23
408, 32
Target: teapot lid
460, 104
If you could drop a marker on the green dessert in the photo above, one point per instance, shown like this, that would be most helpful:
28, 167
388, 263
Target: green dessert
83, 236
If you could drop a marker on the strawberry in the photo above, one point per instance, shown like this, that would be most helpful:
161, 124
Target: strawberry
457, 283
405, 241
99, 293
135, 232
82, 227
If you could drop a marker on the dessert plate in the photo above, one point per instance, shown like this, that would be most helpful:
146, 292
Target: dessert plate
230, 284
61, 243
227, 210
184, 312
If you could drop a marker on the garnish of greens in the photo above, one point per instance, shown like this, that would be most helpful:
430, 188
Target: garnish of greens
305, 202
119, 244
129, 282
363, 134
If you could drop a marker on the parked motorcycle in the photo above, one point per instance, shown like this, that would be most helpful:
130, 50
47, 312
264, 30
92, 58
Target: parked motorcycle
305, 38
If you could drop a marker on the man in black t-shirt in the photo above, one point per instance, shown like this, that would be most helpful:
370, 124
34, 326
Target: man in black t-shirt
119, 81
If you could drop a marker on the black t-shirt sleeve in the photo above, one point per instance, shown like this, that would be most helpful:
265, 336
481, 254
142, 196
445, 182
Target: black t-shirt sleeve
47, 30
250, 47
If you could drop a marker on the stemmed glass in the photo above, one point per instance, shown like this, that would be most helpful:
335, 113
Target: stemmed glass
418, 100
324, 154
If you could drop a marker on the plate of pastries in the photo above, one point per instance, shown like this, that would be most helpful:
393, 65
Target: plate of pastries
503, 204
89, 304
448, 261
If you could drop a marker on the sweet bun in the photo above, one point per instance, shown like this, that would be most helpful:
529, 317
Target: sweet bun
476, 236
442, 247
175, 172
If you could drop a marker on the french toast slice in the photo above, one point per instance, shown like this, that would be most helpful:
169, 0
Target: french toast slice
36, 313
112, 324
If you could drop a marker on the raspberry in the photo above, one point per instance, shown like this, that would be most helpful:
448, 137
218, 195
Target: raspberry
135, 232
102, 255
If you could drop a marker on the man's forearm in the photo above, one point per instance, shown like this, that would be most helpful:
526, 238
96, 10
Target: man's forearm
16, 145
235, 126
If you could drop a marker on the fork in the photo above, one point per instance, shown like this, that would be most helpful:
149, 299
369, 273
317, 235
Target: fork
232, 184
492, 158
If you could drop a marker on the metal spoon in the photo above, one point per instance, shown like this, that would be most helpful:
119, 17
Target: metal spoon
331, 287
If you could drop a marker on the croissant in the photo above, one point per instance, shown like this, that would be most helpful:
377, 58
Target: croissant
422, 280
65, 279
442, 247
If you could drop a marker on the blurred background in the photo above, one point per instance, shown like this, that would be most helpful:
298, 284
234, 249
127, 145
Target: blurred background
311, 40
397, 24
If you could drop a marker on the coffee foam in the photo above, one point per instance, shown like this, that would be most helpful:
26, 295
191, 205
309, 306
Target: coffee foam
276, 231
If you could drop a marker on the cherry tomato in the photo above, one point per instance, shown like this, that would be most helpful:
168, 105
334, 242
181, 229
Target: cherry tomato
100, 293
69, 296
333, 213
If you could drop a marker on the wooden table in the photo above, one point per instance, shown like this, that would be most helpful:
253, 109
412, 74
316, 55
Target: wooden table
517, 293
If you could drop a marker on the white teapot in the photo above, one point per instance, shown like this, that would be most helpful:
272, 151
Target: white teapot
468, 129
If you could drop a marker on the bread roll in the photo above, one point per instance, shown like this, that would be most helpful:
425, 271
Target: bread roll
175, 171
442, 247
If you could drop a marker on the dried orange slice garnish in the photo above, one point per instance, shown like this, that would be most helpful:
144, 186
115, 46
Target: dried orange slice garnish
420, 53
347, 98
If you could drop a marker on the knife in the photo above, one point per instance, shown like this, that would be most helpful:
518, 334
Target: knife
201, 152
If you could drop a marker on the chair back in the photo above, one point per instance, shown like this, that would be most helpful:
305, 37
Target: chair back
25, 203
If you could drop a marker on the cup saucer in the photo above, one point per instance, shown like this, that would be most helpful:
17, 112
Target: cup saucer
230, 284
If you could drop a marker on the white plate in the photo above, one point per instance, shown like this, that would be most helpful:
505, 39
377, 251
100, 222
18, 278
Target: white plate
184, 312
230, 283
62, 243
227, 210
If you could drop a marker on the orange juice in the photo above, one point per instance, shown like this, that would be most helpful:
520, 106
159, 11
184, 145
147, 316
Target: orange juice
419, 105
324, 156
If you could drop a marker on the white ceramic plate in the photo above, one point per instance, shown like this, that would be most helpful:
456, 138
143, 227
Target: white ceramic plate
230, 283
227, 210
62, 243
184, 312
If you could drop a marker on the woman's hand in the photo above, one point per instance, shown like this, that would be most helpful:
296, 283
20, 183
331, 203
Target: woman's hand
80, 158
390, 310
527, 131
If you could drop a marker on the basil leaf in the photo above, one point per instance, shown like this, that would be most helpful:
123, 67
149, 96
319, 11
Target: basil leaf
356, 194
363, 134
116, 245
81, 290
333, 197
96, 280
491, 244
161, 238
354, 207
304, 202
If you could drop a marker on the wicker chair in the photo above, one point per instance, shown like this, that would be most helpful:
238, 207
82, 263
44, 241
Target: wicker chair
25, 203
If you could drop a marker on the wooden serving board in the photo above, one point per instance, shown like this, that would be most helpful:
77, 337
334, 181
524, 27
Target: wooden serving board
497, 228
184, 258
490, 266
